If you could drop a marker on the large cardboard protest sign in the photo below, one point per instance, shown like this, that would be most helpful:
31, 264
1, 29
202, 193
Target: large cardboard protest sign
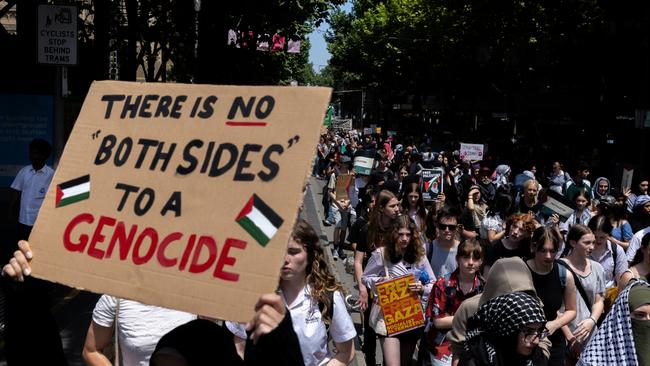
431, 183
471, 152
402, 308
181, 196
343, 185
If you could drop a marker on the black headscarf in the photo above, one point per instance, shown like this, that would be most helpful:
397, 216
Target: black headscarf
497, 323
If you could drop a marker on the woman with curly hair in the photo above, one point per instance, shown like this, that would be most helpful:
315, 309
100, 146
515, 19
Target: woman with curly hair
400, 256
372, 235
315, 300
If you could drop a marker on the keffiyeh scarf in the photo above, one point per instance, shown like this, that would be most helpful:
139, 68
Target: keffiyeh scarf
613, 344
503, 316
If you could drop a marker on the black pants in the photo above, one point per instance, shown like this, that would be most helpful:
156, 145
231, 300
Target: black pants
369, 338
31, 333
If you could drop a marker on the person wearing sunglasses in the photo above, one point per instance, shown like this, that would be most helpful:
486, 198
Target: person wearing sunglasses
506, 330
444, 247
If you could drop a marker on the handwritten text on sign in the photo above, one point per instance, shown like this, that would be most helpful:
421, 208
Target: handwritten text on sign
178, 195
471, 152
402, 308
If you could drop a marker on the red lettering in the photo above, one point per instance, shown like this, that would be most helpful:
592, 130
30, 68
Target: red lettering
83, 238
164, 261
211, 245
225, 260
199, 253
98, 237
153, 239
187, 252
125, 242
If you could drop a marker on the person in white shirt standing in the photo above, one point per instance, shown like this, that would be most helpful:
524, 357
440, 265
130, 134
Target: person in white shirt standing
315, 301
30, 186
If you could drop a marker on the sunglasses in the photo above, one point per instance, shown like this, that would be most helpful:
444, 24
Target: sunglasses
444, 227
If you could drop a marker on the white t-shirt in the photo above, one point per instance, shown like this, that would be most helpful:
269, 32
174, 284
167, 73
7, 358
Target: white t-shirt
140, 326
32, 185
635, 243
311, 331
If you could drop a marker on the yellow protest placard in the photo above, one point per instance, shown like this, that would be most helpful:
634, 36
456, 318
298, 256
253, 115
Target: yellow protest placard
402, 308
181, 196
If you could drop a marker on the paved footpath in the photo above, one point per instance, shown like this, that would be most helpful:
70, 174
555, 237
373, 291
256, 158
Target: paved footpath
313, 213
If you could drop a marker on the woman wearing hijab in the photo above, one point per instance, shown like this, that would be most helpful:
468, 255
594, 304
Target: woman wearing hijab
601, 188
506, 331
624, 336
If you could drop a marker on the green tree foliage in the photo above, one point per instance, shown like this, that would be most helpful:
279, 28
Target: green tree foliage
469, 50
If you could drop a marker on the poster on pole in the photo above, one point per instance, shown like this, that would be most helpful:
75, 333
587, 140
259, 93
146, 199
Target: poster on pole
431, 183
402, 308
181, 196
471, 152
556, 203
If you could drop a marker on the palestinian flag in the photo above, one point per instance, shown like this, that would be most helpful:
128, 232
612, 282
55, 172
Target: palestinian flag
432, 184
259, 220
73, 191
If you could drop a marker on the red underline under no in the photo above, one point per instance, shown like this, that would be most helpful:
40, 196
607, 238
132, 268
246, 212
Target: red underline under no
247, 124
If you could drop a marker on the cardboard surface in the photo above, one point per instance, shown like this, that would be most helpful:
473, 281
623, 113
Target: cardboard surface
342, 185
402, 308
184, 197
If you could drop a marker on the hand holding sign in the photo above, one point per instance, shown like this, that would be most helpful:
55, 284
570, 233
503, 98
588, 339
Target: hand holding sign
188, 195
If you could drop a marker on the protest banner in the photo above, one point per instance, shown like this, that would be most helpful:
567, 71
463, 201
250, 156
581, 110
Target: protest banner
471, 152
391, 133
402, 308
367, 131
176, 195
556, 203
431, 183
342, 185
364, 161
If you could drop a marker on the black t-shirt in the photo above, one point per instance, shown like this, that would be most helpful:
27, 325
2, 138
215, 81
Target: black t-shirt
467, 220
498, 250
359, 235
550, 291
523, 208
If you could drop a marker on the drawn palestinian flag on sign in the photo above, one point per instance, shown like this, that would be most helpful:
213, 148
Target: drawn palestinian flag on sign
432, 184
259, 220
72, 191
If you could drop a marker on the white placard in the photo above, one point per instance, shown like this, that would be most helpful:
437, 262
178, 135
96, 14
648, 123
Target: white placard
57, 34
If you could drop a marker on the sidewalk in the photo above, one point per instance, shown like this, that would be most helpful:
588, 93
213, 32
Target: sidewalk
313, 213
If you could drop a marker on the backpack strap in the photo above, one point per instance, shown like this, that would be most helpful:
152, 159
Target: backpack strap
578, 284
562, 269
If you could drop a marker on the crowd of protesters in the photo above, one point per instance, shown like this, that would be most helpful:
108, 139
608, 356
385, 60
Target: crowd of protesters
502, 278
508, 278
